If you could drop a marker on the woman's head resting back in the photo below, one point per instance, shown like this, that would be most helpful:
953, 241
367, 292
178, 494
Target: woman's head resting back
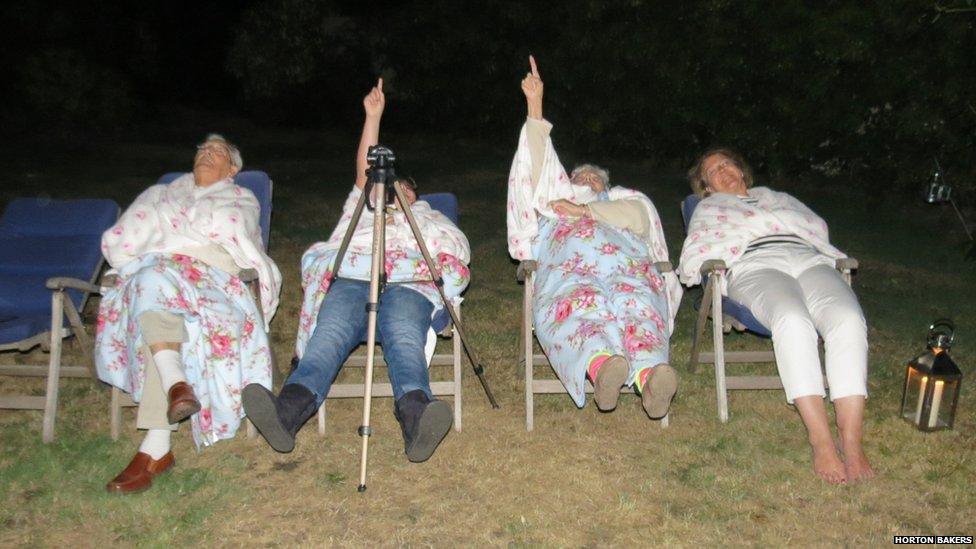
216, 159
409, 186
592, 176
720, 170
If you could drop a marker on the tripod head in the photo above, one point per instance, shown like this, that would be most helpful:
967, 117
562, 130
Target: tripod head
381, 162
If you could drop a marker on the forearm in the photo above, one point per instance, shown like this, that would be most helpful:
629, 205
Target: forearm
537, 135
370, 137
623, 213
534, 108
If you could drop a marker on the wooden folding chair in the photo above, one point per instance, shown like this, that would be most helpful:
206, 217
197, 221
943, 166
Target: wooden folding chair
734, 316
50, 258
525, 273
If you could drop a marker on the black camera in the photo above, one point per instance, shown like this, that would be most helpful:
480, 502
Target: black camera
379, 156
381, 160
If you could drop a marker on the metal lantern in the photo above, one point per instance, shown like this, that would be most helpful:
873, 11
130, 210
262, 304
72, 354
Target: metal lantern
932, 382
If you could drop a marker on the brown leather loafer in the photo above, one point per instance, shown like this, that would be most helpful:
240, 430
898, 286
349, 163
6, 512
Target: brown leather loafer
138, 475
182, 402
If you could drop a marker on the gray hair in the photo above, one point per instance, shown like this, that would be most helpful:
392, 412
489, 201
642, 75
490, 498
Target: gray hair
235, 154
602, 173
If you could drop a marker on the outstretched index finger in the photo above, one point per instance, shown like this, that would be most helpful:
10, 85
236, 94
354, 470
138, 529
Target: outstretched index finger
535, 69
379, 84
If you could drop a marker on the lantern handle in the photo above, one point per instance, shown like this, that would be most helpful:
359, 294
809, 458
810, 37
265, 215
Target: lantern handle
939, 338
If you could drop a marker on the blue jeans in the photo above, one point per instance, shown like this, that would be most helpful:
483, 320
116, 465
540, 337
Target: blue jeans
401, 325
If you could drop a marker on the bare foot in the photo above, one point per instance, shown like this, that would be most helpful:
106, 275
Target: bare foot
855, 462
827, 464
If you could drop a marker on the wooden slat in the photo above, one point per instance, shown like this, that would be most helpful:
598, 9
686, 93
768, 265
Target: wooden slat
36, 370
355, 390
22, 403
739, 356
359, 361
753, 382
553, 386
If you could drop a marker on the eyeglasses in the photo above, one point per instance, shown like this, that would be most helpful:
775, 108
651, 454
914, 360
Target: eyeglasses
214, 148
721, 166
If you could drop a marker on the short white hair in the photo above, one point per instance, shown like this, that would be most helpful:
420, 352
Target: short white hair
235, 154
602, 173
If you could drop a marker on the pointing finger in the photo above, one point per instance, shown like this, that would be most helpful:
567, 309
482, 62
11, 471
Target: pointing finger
379, 84
535, 69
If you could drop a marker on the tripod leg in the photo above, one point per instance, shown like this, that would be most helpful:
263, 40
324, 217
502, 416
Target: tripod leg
378, 257
346, 238
479, 370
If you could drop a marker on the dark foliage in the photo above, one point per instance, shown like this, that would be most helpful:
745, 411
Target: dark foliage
872, 89
875, 89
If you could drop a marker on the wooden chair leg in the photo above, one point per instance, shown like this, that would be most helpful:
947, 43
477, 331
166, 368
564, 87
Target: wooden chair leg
719, 348
54, 368
698, 335
81, 335
520, 350
527, 342
115, 413
456, 343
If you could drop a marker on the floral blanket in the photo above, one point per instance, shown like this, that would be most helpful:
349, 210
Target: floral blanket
528, 207
168, 218
597, 293
227, 348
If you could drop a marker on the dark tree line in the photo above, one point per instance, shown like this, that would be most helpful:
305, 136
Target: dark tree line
873, 89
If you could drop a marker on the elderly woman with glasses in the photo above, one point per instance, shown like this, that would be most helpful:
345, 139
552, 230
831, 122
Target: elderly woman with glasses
602, 310
179, 329
781, 267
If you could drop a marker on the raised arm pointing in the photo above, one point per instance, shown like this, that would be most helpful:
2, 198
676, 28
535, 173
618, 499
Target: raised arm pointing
532, 87
373, 104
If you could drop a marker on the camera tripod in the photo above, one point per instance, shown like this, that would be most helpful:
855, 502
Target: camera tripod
382, 177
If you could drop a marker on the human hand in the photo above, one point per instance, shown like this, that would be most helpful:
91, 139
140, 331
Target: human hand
532, 87
564, 207
374, 101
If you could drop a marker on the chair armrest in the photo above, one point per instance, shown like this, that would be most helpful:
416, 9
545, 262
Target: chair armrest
846, 264
248, 275
64, 283
663, 266
712, 265
524, 267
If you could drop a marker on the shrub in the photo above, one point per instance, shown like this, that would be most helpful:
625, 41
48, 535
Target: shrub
63, 93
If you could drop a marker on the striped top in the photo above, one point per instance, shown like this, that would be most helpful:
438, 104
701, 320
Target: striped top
773, 239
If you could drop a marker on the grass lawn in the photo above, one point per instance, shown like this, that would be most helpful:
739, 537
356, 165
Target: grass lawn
581, 478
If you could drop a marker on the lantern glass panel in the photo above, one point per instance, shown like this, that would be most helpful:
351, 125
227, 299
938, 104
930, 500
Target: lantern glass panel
916, 383
943, 406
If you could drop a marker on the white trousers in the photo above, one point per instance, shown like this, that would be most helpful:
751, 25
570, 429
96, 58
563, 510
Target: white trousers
797, 293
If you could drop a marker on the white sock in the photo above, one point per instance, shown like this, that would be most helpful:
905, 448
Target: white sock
156, 443
169, 364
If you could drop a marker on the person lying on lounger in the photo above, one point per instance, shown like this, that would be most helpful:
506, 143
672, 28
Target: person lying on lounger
180, 330
781, 267
333, 317
601, 309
